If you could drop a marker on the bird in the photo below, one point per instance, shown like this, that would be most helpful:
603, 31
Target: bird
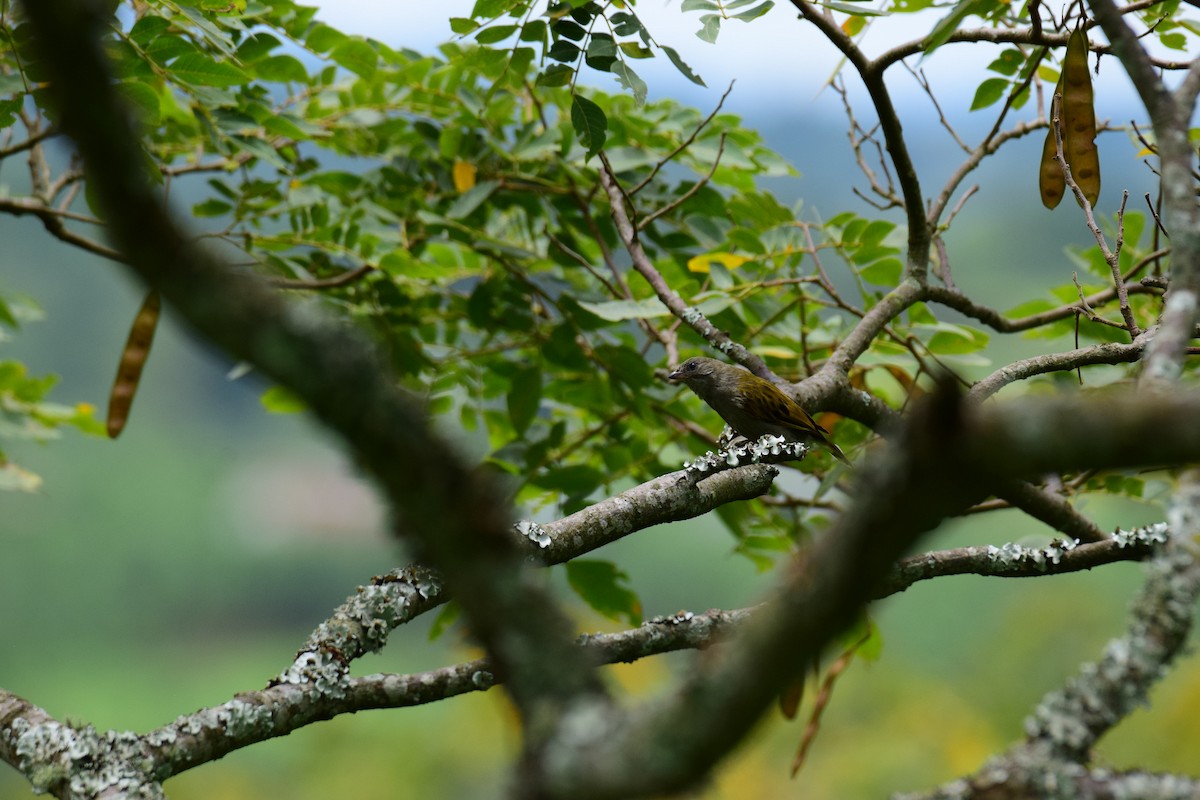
752, 406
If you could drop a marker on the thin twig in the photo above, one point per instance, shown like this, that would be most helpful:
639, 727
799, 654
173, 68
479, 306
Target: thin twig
683, 145
683, 198
346, 278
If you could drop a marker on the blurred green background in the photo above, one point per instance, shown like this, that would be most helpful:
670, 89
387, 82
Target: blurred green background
187, 561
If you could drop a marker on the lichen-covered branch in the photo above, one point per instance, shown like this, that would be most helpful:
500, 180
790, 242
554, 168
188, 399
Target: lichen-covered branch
1065, 726
362, 624
282, 708
1015, 561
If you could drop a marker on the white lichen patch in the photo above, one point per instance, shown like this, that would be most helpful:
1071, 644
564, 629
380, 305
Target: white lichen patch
533, 532
1157, 533
746, 453
89, 763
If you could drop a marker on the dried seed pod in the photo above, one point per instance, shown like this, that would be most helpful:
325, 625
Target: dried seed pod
1077, 122
133, 358
1052, 184
1079, 115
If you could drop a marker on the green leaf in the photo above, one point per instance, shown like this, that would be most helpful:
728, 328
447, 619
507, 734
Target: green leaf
562, 50
626, 24
211, 207
989, 92
201, 70
854, 11
599, 584
322, 38
462, 26
1007, 63
471, 199
590, 124
143, 99
556, 75
949, 24
951, 339
635, 50
575, 480
569, 30
710, 28
631, 81
1173, 40
885, 272
281, 68
683, 68
756, 12
6, 316
497, 33
524, 397
279, 400
620, 310
601, 52
356, 56
447, 615
489, 9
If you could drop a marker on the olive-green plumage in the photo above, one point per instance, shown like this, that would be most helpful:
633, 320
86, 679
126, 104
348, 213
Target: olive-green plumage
751, 405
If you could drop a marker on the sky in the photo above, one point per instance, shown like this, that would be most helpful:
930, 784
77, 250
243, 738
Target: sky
774, 59
773, 56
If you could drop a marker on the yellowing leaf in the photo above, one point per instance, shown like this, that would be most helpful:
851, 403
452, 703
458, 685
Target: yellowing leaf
464, 176
772, 351
852, 27
727, 260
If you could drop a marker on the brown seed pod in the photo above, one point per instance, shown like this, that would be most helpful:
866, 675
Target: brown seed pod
133, 358
1052, 184
1079, 129
1077, 121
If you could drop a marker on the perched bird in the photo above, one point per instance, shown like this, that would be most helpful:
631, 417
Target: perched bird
751, 405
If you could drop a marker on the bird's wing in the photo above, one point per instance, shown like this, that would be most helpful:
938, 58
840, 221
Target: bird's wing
780, 409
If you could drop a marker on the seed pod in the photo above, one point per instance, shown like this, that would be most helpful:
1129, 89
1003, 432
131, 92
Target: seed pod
1077, 121
1079, 115
133, 358
1051, 182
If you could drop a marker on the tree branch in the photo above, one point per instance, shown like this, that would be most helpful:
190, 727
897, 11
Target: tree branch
919, 235
1107, 353
717, 338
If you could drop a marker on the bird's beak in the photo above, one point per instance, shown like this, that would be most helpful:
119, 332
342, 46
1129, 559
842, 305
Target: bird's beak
676, 376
